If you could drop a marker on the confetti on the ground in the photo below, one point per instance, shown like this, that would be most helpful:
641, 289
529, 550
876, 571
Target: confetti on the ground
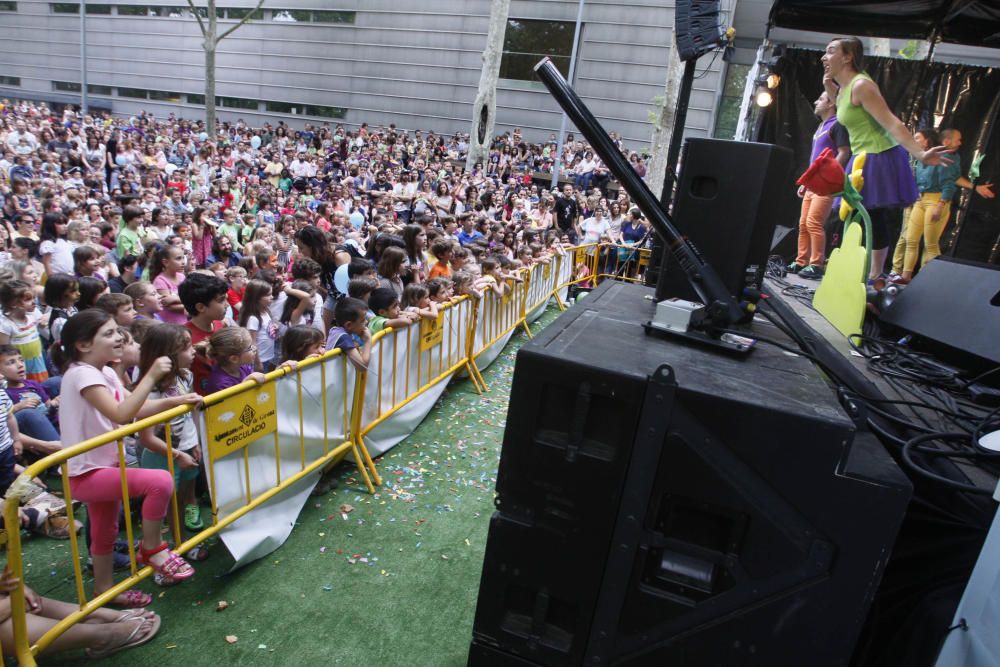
232, 639
221, 605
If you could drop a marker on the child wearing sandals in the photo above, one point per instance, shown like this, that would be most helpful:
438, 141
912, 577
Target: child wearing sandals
95, 403
104, 633
174, 342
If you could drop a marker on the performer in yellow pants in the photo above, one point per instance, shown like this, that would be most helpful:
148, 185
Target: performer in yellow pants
929, 214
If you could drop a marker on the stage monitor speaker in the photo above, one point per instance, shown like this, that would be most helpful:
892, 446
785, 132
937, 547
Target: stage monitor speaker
661, 504
956, 304
698, 27
730, 196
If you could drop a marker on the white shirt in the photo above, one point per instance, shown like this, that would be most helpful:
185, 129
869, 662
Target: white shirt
21, 143
594, 228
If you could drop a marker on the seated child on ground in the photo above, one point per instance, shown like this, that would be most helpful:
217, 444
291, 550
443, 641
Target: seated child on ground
36, 413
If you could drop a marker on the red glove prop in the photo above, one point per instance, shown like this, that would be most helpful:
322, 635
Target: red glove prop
824, 176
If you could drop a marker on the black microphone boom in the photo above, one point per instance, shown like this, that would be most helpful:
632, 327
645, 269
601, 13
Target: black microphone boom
722, 310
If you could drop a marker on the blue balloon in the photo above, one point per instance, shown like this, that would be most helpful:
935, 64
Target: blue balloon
340, 278
255, 142
357, 219
203, 136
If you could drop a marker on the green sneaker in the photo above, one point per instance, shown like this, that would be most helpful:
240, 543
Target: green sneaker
812, 271
192, 518
795, 267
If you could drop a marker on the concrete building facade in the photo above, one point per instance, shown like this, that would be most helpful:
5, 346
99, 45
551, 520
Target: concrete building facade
375, 61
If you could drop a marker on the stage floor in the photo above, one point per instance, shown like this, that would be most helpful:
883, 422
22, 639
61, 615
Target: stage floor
796, 293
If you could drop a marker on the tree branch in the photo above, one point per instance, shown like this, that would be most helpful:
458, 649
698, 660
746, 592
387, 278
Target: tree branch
245, 19
201, 24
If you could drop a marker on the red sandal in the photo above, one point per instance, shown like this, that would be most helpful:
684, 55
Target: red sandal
173, 567
133, 599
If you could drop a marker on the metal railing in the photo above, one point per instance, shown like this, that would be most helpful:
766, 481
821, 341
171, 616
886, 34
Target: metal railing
278, 418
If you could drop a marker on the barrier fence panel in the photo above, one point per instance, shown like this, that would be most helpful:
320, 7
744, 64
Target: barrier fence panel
259, 437
622, 262
273, 449
565, 267
408, 370
541, 286
496, 319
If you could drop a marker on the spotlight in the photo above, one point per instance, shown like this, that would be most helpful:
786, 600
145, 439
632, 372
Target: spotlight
764, 97
773, 80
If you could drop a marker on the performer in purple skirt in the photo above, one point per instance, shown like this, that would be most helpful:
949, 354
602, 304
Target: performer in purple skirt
889, 183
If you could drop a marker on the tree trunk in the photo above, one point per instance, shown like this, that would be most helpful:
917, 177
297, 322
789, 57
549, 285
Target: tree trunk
664, 124
211, 44
484, 108
210, 88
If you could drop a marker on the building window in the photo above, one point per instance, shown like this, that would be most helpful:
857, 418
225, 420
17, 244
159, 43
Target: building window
162, 96
10, 80
98, 9
6, 6
728, 114
237, 103
311, 16
137, 93
325, 112
95, 89
196, 99
283, 107
66, 86
528, 41
176, 12
333, 17
135, 10
65, 8
239, 13
292, 15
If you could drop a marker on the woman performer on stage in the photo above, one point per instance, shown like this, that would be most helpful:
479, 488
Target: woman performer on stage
889, 184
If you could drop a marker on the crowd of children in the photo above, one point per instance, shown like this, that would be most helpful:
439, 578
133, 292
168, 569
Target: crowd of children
120, 302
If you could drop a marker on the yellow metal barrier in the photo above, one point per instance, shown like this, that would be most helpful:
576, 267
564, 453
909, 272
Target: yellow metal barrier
621, 262
220, 450
404, 364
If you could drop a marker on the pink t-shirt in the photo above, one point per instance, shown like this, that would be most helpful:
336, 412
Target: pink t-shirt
164, 284
79, 420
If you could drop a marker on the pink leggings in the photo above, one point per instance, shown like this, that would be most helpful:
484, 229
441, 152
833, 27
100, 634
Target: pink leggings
101, 490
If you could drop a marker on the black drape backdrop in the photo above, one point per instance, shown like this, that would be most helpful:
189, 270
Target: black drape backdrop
922, 94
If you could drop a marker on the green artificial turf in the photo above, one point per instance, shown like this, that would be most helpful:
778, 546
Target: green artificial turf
393, 583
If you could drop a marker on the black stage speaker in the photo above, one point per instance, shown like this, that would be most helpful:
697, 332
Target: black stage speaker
698, 27
729, 198
954, 303
660, 504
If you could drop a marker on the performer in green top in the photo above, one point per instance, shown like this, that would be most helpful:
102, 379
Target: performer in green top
889, 183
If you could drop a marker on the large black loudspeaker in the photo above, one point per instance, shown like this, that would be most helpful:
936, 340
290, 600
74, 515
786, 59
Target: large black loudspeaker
659, 504
697, 25
729, 197
955, 304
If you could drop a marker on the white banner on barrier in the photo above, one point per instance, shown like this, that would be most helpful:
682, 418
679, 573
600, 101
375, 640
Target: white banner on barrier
398, 369
495, 322
268, 526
